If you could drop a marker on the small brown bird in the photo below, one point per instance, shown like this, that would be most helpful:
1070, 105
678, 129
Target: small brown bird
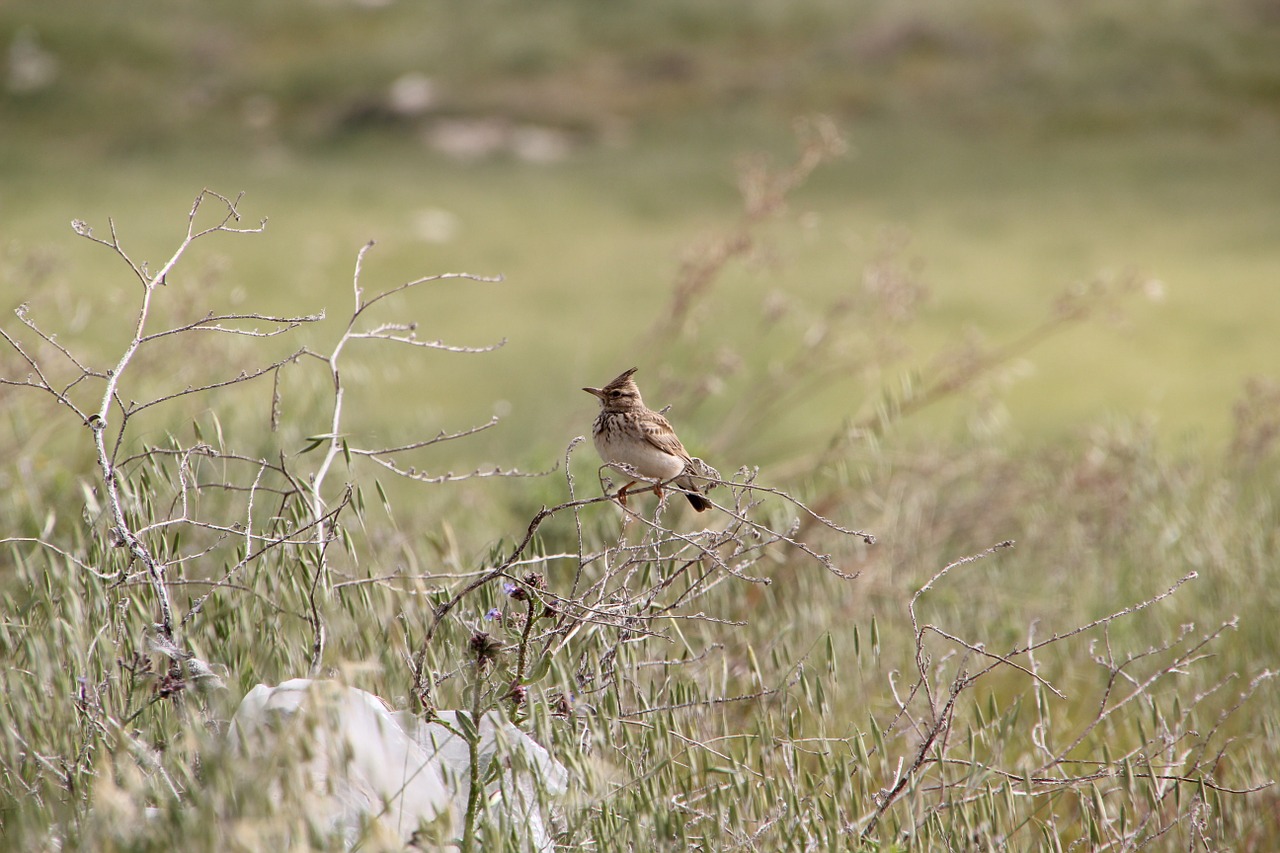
627, 432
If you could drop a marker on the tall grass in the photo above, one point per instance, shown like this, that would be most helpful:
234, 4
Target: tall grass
1042, 646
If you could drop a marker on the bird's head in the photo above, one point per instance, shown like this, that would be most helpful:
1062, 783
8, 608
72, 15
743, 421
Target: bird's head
619, 395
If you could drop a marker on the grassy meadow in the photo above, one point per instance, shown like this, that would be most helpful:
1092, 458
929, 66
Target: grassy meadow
952, 277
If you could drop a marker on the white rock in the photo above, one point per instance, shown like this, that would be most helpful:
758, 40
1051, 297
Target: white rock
365, 769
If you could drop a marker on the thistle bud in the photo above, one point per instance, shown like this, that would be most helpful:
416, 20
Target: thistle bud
484, 647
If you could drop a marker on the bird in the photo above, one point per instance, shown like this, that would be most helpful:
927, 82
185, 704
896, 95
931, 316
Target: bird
632, 439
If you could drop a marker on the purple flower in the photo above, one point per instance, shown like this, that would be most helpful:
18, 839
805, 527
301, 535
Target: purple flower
508, 587
494, 613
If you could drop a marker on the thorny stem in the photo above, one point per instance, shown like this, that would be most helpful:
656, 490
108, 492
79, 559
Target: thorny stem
940, 721
337, 442
420, 657
935, 731
472, 734
523, 654
501, 569
941, 724
98, 421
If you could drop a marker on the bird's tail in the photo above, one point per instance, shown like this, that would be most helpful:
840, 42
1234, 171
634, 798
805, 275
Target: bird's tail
694, 494
700, 503
701, 469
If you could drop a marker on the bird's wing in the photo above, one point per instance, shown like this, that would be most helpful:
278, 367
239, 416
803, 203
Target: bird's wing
659, 433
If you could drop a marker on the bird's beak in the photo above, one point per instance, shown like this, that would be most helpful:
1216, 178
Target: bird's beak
596, 391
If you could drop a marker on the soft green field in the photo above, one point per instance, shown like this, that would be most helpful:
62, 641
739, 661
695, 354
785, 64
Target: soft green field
588, 249
1000, 156
1016, 150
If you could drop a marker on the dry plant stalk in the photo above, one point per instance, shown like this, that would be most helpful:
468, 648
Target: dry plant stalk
1173, 757
764, 196
53, 368
164, 528
580, 627
113, 412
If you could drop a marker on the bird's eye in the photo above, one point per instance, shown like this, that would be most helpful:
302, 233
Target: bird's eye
616, 392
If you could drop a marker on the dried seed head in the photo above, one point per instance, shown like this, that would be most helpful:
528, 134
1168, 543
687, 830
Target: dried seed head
484, 647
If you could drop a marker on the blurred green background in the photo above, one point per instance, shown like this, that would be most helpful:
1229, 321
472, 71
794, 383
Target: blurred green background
1000, 150
1000, 154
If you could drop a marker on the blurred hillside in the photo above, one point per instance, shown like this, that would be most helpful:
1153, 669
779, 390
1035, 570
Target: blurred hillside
117, 77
